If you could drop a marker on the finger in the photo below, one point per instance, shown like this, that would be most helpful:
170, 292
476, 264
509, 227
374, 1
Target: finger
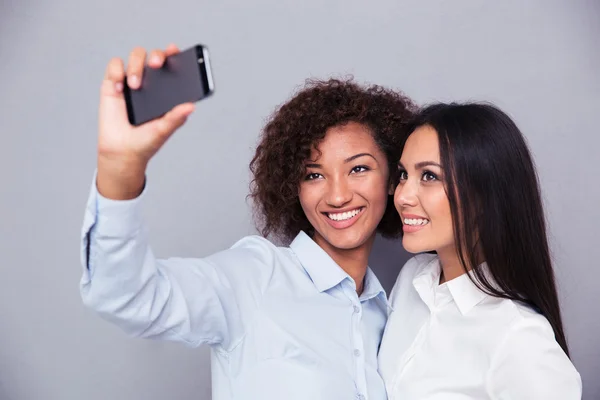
113, 77
157, 58
135, 67
171, 49
172, 120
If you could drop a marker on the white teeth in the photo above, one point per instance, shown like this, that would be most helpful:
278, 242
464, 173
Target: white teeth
415, 221
343, 216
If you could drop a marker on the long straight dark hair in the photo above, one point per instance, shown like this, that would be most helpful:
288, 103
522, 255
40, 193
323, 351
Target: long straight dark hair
497, 212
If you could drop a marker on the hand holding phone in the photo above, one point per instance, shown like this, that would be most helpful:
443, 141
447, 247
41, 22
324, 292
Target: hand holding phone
125, 148
183, 77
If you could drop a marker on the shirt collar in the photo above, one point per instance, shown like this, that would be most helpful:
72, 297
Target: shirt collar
326, 273
426, 279
464, 292
322, 270
373, 288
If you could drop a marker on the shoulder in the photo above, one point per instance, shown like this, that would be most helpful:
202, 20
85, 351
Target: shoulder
414, 265
257, 246
528, 361
410, 269
518, 317
252, 257
523, 327
251, 248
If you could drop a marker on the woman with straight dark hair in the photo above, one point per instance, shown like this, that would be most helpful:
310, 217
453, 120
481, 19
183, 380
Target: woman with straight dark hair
475, 315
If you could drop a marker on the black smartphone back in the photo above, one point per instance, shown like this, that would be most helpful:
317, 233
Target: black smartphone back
184, 77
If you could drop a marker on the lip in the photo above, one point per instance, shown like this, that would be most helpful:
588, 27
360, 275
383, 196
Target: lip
412, 228
345, 223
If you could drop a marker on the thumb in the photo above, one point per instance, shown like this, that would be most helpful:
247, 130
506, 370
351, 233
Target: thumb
165, 126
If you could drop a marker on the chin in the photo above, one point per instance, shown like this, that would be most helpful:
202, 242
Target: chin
346, 244
346, 241
412, 246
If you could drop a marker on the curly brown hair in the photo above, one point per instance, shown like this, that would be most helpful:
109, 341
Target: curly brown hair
299, 125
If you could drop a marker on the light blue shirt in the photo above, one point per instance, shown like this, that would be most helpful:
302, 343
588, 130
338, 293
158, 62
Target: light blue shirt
282, 322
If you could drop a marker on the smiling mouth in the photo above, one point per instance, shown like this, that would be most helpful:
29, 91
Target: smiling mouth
344, 216
415, 221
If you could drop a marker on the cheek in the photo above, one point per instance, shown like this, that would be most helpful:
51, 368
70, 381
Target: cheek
435, 203
305, 195
376, 191
309, 195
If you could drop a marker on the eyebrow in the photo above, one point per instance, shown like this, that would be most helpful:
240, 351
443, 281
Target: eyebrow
347, 160
423, 164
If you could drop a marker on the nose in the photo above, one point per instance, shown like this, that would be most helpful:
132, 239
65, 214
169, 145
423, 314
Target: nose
338, 193
405, 195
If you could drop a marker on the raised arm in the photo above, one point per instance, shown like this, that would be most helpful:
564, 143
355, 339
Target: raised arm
193, 301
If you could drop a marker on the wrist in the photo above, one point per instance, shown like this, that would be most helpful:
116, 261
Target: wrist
120, 179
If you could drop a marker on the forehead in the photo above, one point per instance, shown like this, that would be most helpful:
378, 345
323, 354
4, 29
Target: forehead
421, 145
346, 140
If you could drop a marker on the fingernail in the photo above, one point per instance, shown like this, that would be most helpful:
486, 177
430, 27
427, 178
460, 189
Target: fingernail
133, 80
119, 86
155, 59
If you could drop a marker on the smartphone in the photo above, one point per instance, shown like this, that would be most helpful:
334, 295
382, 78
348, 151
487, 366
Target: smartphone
184, 77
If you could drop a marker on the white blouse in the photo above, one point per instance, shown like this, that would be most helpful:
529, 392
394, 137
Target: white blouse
452, 341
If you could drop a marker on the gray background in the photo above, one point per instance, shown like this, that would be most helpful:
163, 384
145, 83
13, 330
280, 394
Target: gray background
539, 60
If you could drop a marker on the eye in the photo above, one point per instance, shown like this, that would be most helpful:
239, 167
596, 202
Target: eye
312, 176
429, 176
360, 168
402, 175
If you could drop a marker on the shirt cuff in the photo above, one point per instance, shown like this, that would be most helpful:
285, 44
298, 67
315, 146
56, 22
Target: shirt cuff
115, 218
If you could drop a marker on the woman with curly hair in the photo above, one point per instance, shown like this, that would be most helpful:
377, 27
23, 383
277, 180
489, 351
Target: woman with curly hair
299, 320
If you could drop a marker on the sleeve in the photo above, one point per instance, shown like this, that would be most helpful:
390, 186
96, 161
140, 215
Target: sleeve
193, 301
530, 364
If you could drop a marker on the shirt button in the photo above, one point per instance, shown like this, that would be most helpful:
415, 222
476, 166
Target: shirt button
361, 397
356, 352
356, 309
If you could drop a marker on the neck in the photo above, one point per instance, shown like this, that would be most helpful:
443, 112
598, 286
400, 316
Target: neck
451, 266
353, 261
450, 263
